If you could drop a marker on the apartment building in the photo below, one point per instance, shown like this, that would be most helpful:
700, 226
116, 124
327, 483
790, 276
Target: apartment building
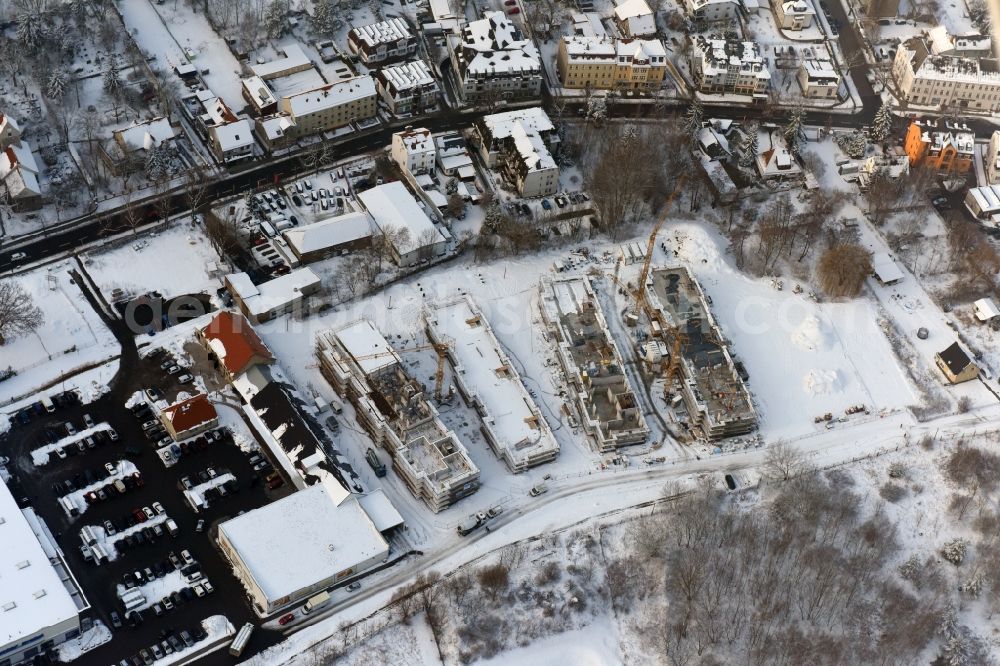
382, 42
329, 107
794, 14
408, 88
608, 64
413, 150
634, 18
494, 60
392, 408
950, 149
940, 81
710, 11
519, 145
729, 66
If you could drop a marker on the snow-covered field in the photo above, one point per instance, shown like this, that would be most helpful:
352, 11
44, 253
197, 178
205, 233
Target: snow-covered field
71, 338
97, 635
175, 261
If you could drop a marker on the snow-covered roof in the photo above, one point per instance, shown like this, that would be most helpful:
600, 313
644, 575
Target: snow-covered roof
415, 140
332, 232
987, 198
407, 76
986, 309
381, 511
273, 294
17, 155
820, 71
607, 51
274, 127
499, 46
532, 149
511, 417
392, 206
331, 95
143, 135
233, 135
32, 594
885, 268
8, 123
258, 91
501, 125
19, 171
383, 32
632, 8
302, 539
796, 8
367, 346
294, 58
718, 55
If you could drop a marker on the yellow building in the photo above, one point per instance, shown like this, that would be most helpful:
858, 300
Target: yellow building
607, 64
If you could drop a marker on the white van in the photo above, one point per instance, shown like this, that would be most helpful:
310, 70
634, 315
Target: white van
47, 404
268, 230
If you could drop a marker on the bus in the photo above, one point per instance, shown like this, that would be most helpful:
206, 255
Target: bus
242, 638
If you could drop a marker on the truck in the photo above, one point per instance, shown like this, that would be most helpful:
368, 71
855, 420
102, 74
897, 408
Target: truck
242, 638
316, 601
472, 523
171, 526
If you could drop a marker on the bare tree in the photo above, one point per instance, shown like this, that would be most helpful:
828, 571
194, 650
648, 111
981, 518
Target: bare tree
783, 461
494, 579
18, 313
223, 232
843, 268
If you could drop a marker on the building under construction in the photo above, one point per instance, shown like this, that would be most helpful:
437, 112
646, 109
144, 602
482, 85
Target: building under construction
602, 396
393, 409
484, 375
715, 396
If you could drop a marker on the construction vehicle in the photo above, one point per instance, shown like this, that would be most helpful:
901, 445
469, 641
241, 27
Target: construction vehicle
472, 523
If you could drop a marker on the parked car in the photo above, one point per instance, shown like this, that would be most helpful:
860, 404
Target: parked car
185, 378
285, 619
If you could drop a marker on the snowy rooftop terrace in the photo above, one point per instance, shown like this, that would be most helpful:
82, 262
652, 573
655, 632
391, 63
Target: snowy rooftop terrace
32, 593
482, 367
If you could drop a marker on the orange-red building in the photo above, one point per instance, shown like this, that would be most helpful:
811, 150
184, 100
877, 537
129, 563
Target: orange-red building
949, 150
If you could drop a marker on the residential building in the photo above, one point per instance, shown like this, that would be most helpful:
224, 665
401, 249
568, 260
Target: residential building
889, 165
232, 343
774, 160
413, 150
986, 310
608, 64
293, 60
519, 145
710, 11
495, 61
40, 599
942, 81
393, 409
972, 45
984, 202
205, 110
274, 297
511, 421
188, 418
19, 177
129, 146
393, 209
382, 42
992, 159
950, 150
259, 96
602, 397
275, 132
232, 142
794, 14
327, 107
818, 78
334, 235
302, 544
408, 88
10, 132
635, 19
729, 66
956, 365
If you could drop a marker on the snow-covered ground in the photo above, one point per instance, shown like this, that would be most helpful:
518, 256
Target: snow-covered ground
176, 261
97, 635
71, 338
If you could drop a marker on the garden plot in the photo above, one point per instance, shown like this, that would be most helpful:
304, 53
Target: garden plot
174, 262
76, 499
40, 456
71, 338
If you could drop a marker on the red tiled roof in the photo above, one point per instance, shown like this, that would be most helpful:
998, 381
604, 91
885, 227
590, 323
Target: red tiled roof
190, 413
239, 340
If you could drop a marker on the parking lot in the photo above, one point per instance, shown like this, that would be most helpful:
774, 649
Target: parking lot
130, 506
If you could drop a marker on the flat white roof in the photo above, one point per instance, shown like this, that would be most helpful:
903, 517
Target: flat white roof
330, 95
362, 339
330, 232
302, 539
32, 594
490, 375
986, 309
631, 8
885, 268
259, 91
392, 206
275, 293
381, 511
294, 57
234, 135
